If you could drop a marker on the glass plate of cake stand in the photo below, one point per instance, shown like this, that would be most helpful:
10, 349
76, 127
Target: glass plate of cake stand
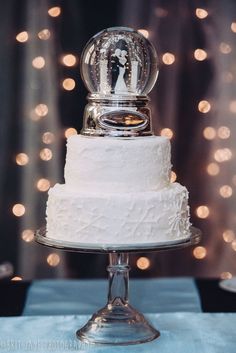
117, 323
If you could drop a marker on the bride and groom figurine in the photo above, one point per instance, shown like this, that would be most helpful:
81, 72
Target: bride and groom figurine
118, 72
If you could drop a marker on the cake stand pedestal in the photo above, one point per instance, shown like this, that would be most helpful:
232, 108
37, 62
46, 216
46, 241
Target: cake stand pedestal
118, 323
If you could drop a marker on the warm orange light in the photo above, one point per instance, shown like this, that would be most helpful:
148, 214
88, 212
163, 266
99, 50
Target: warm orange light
204, 106
226, 275
48, 137
54, 11
53, 259
223, 155
213, 169
223, 132
225, 191
27, 235
44, 34
45, 154
225, 48
144, 32
201, 13
41, 110
16, 278
167, 133
233, 245
22, 37
168, 58
209, 133
143, 263
200, 54
43, 184
68, 84
70, 131
200, 252
228, 235
38, 62
69, 60
173, 176
202, 211
233, 27
18, 210
22, 159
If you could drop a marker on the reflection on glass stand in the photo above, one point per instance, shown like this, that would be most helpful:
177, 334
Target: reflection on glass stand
118, 323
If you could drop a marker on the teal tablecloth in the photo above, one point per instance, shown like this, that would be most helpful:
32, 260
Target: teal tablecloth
180, 333
66, 297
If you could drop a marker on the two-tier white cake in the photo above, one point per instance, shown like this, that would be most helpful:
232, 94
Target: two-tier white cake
117, 174
118, 191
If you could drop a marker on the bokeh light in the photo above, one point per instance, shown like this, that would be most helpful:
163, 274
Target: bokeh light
226, 275
48, 137
54, 11
69, 60
200, 54
201, 13
213, 169
41, 110
233, 245
44, 34
233, 27
143, 263
202, 211
38, 62
228, 235
27, 235
225, 48
43, 184
209, 133
70, 131
18, 210
22, 159
144, 32
223, 155
168, 58
225, 191
53, 259
223, 132
45, 154
68, 84
204, 106
167, 133
22, 37
173, 176
199, 252
16, 278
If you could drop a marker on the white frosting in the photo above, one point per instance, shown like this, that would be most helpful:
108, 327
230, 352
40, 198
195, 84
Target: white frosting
117, 191
124, 218
116, 164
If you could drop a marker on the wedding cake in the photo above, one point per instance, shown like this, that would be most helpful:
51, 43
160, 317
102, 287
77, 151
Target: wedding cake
117, 173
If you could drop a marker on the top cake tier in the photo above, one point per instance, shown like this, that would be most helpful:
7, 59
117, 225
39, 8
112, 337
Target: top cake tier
117, 164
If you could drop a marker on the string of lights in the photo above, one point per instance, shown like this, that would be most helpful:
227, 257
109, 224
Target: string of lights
216, 132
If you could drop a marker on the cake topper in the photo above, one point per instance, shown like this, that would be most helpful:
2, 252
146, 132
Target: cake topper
119, 67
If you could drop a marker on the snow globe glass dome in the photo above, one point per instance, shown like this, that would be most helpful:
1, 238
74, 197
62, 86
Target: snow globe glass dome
119, 61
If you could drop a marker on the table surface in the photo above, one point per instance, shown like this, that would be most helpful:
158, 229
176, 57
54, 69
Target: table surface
213, 299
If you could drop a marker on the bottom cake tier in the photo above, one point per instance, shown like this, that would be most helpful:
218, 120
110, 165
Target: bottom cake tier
111, 218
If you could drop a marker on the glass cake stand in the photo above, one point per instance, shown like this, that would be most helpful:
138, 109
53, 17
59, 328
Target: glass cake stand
117, 323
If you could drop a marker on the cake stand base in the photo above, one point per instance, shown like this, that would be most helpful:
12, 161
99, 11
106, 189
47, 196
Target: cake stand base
117, 324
